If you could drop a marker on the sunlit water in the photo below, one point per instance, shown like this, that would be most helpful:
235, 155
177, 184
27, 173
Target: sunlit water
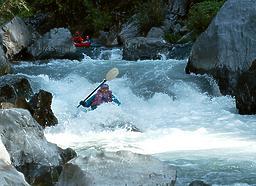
183, 119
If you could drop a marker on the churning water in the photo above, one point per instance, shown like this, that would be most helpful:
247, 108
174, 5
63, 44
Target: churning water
182, 119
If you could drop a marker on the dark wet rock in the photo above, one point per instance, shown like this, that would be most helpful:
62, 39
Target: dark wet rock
5, 67
67, 154
156, 32
41, 108
40, 161
180, 51
145, 48
228, 46
36, 20
246, 91
9, 176
16, 37
55, 44
73, 175
178, 7
15, 90
12, 87
117, 168
198, 183
108, 38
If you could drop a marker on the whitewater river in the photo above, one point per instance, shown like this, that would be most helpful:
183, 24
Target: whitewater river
183, 119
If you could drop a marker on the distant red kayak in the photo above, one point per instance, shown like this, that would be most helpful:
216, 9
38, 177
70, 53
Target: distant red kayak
83, 44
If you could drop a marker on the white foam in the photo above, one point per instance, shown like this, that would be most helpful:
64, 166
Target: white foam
4, 155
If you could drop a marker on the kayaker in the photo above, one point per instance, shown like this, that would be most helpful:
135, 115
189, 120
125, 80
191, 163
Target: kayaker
87, 38
103, 95
78, 37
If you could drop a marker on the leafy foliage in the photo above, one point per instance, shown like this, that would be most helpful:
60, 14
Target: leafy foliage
150, 14
201, 14
96, 19
10, 8
172, 38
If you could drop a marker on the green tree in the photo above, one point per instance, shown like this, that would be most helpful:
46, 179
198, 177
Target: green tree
201, 14
10, 8
150, 14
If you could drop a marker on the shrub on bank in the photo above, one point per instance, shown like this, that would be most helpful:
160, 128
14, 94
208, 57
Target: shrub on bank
10, 8
201, 14
150, 14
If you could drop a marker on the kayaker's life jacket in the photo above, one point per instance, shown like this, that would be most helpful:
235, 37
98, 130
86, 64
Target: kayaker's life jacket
102, 97
78, 39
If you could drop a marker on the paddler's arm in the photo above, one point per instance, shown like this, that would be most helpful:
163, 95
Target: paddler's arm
114, 99
88, 102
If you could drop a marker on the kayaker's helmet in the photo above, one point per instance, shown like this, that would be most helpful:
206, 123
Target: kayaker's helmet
78, 33
104, 86
87, 37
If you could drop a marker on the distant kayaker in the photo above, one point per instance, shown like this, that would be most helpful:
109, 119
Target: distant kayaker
103, 95
78, 37
88, 38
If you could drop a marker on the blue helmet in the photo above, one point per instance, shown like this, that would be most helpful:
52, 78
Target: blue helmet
104, 86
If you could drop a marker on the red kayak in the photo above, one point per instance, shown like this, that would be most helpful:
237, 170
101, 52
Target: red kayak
83, 44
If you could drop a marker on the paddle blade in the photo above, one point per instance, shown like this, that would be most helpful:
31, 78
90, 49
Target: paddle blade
112, 74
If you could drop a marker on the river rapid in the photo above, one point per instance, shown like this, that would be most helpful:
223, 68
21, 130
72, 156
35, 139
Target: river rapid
183, 119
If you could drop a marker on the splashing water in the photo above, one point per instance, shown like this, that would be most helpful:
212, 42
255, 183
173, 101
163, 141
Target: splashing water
179, 118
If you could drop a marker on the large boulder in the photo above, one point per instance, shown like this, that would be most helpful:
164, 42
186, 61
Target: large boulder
156, 32
176, 10
129, 30
117, 168
12, 87
15, 90
5, 67
30, 152
41, 108
198, 183
108, 39
9, 176
57, 43
16, 37
228, 46
246, 91
145, 48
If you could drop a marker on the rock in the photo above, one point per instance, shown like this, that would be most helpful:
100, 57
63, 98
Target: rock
117, 168
169, 22
41, 108
15, 90
156, 32
108, 38
39, 160
12, 87
16, 37
198, 183
6, 105
129, 30
36, 20
73, 175
180, 51
178, 7
5, 67
145, 48
246, 91
57, 44
228, 46
9, 176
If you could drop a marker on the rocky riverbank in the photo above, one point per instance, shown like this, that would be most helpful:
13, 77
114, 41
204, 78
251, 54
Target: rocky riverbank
225, 51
